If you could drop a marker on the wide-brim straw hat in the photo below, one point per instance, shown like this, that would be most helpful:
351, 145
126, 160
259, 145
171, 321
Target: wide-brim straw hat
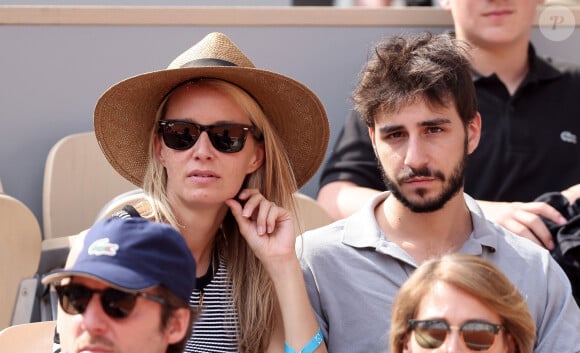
125, 114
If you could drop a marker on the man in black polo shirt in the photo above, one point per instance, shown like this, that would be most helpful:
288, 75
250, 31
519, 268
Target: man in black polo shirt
531, 125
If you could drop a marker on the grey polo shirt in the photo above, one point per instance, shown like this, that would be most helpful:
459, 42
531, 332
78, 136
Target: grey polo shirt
353, 272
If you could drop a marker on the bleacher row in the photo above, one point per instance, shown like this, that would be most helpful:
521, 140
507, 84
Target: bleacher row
79, 188
78, 182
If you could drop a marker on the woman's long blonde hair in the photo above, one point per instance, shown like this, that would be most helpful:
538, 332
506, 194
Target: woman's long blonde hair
253, 291
476, 277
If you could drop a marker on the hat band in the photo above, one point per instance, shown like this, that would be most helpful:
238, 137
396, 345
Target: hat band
207, 62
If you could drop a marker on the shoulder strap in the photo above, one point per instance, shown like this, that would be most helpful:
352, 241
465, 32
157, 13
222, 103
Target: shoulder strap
127, 211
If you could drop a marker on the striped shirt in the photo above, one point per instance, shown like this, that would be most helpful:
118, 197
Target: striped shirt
216, 329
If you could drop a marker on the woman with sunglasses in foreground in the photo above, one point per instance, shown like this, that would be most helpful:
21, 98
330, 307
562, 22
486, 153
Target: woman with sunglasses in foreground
219, 147
460, 303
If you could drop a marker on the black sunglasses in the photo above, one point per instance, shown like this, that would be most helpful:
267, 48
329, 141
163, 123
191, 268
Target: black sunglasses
117, 304
477, 335
228, 138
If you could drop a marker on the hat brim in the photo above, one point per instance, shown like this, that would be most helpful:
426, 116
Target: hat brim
125, 114
117, 276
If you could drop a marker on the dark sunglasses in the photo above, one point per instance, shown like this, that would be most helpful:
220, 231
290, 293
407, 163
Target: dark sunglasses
117, 304
228, 138
477, 335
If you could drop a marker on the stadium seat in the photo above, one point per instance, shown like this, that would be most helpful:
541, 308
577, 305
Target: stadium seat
19, 256
36, 337
78, 181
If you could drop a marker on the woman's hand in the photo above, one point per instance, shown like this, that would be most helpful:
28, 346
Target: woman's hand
269, 231
268, 228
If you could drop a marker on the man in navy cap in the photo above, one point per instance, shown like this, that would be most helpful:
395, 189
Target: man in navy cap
127, 291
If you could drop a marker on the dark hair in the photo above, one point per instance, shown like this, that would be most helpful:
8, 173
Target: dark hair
404, 69
172, 303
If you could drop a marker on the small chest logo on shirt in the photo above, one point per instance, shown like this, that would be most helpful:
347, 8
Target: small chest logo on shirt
569, 137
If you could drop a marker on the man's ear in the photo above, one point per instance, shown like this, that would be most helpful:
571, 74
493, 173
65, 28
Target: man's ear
473, 133
406, 343
372, 136
511, 343
177, 325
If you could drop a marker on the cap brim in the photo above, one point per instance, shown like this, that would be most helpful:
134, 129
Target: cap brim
115, 275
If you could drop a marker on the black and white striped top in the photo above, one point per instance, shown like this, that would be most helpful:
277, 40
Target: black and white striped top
216, 329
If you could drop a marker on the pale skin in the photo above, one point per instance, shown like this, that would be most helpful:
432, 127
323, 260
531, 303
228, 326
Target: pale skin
201, 179
419, 137
204, 182
499, 31
140, 332
447, 302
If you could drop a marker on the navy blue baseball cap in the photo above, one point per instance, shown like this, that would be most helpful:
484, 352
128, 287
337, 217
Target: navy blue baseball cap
134, 254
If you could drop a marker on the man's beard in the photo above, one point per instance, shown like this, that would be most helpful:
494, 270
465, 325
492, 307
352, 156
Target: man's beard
450, 188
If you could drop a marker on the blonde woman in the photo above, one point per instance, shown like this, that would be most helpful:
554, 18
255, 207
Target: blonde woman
219, 147
460, 303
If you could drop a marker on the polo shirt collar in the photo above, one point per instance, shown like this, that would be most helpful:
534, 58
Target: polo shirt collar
484, 233
361, 230
540, 69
